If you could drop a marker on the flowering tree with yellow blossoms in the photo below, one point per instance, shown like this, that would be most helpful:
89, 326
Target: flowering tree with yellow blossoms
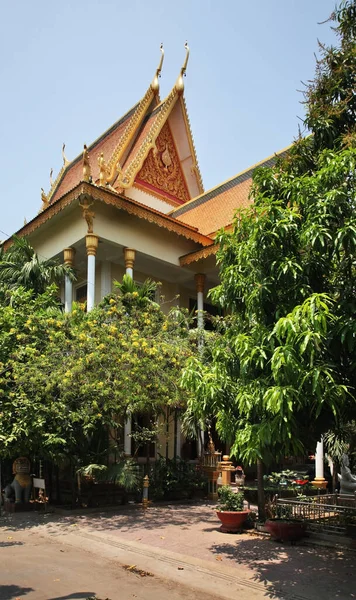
64, 376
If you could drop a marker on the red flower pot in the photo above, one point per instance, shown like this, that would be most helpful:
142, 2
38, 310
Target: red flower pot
232, 521
285, 531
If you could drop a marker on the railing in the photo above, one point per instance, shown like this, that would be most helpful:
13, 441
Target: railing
328, 513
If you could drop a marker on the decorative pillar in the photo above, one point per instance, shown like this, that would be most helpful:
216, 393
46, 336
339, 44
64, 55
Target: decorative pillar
127, 436
129, 255
200, 284
105, 279
68, 285
92, 242
319, 481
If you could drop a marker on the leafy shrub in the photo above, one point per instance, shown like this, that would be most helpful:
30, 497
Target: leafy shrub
229, 500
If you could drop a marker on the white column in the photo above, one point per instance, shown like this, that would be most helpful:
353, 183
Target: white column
319, 481
319, 460
68, 285
68, 294
105, 280
127, 436
92, 245
200, 284
129, 255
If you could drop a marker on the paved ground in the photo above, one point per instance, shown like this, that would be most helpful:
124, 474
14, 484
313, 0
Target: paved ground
33, 567
179, 543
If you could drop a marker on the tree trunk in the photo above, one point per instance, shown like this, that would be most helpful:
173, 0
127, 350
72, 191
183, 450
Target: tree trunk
260, 492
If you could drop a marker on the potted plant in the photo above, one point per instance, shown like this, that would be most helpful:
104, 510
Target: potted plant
283, 527
230, 510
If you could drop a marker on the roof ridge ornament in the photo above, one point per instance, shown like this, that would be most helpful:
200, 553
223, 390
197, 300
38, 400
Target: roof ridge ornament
155, 83
180, 83
65, 159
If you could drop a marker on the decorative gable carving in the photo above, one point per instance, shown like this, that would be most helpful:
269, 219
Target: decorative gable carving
161, 169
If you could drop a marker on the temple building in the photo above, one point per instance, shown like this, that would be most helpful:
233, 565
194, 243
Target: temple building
133, 201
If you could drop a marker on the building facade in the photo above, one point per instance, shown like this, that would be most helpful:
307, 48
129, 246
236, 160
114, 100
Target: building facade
133, 202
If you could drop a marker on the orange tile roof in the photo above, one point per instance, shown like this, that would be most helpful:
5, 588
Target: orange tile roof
106, 143
216, 208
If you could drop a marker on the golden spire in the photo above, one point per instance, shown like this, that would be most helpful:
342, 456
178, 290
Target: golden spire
155, 84
180, 82
65, 159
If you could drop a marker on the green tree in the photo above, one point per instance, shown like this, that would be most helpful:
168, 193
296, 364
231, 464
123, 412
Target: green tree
282, 370
66, 377
21, 266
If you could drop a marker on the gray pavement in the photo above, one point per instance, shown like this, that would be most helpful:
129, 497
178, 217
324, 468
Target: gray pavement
181, 546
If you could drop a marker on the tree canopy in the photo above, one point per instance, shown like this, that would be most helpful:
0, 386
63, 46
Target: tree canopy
64, 376
282, 368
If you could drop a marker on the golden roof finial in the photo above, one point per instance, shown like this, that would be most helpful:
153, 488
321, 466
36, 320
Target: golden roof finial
44, 199
155, 84
65, 159
180, 82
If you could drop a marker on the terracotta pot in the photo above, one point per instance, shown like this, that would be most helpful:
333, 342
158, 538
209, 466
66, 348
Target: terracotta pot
232, 521
286, 531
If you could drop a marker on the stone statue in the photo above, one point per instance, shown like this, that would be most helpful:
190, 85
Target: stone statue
347, 480
21, 486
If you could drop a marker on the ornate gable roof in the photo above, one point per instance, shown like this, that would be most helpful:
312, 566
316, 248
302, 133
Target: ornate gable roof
161, 172
117, 157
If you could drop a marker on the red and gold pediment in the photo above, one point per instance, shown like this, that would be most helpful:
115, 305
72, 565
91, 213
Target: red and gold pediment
161, 171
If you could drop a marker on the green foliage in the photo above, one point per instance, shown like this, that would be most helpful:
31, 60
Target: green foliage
283, 368
64, 377
21, 266
230, 500
175, 479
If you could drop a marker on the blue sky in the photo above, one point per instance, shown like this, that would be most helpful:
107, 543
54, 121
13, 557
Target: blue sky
71, 68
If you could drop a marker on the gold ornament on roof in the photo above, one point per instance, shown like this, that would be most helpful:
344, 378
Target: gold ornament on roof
162, 169
86, 165
180, 82
65, 159
166, 158
102, 170
155, 83
107, 176
44, 199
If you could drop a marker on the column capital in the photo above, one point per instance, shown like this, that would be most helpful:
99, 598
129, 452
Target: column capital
69, 254
91, 242
200, 279
129, 256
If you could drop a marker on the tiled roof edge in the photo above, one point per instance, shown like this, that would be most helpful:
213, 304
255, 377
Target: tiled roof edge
227, 185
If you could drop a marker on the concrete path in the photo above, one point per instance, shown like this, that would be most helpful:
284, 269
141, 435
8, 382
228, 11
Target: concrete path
183, 544
34, 567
